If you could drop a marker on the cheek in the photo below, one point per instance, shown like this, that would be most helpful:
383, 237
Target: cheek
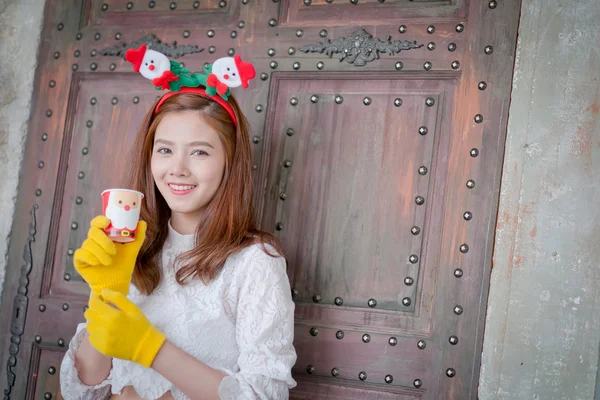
157, 168
211, 172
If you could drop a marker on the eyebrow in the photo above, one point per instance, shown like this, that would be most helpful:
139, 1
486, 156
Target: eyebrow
192, 144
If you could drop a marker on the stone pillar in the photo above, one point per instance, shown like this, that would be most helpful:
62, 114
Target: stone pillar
543, 320
20, 29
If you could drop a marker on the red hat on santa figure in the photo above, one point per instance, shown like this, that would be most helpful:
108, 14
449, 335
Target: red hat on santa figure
245, 69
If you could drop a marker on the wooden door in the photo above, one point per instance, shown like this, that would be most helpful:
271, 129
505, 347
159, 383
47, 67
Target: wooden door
378, 139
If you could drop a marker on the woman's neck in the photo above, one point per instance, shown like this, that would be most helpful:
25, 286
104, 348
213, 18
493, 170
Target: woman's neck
185, 223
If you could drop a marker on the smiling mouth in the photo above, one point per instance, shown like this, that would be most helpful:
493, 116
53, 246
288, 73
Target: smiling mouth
181, 189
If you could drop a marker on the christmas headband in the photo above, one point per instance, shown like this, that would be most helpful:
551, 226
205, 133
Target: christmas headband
224, 73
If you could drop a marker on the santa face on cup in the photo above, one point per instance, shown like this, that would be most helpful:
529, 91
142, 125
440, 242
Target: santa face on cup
123, 209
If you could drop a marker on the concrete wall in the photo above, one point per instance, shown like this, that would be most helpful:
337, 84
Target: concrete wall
543, 324
543, 328
20, 28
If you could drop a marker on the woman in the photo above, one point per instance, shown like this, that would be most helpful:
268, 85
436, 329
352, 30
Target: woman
208, 313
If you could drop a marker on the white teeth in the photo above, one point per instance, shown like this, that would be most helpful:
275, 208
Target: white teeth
178, 187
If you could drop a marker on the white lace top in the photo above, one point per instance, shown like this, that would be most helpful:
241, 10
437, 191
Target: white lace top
241, 323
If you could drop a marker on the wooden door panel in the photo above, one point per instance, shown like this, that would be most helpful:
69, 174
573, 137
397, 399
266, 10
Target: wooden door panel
116, 13
318, 48
352, 165
349, 158
338, 356
45, 367
328, 12
346, 202
352, 168
314, 387
102, 107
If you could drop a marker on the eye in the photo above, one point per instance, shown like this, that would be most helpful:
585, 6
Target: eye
233, 74
163, 150
134, 203
152, 61
146, 64
199, 153
227, 68
120, 202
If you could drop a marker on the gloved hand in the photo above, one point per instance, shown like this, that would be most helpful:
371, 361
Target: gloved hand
105, 264
123, 332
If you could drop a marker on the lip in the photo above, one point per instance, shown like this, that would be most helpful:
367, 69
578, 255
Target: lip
180, 192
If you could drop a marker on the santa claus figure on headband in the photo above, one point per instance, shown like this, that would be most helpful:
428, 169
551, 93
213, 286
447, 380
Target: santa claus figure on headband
230, 72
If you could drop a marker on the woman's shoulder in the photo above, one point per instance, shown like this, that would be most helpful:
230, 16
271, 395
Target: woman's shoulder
255, 260
259, 252
252, 270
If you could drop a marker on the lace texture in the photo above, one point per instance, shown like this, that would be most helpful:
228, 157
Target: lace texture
241, 323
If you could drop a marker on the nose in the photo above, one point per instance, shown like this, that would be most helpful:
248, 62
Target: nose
151, 67
179, 167
226, 76
127, 208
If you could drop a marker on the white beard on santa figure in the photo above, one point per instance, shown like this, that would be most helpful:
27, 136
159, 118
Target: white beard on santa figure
120, 218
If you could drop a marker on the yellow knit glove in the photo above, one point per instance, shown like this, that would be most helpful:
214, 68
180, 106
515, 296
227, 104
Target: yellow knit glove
123, 332
105, 264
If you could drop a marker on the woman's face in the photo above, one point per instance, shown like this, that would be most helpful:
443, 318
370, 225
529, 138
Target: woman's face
188, 162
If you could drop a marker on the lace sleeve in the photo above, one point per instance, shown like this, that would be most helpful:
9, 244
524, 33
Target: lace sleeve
71, 387
264, 332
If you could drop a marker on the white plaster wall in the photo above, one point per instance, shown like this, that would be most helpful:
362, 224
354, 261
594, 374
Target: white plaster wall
543, 321
20, 28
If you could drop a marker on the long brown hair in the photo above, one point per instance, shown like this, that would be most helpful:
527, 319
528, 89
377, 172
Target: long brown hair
228, 221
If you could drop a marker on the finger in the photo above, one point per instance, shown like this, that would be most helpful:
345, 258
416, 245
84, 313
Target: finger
83, 257
106, 311
140, 233
100, 221
98, 236
92, 316
119, 300
96, 304
94, 300
94, 329
96, 250
97, 341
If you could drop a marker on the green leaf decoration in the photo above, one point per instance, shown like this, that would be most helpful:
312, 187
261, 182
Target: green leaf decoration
177, 69
200, 78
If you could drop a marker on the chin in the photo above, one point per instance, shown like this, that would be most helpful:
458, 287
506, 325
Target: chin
185, 210
184, 206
